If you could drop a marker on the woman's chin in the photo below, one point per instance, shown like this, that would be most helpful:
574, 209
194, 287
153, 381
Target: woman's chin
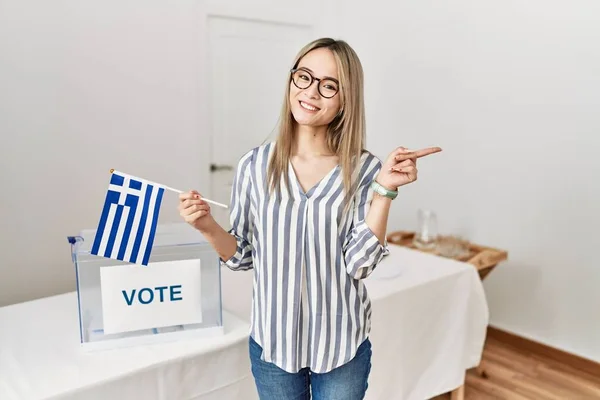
305, 122
302, 119
308, 120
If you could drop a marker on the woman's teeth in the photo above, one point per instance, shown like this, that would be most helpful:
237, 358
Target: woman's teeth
308, 107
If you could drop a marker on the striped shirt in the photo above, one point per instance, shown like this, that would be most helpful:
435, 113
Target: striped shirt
310, 307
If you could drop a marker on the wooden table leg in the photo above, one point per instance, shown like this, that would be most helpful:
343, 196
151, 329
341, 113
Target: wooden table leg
481, 372
458, 393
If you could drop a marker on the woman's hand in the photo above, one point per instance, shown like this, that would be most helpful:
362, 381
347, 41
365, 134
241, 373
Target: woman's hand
195, 211
400, 167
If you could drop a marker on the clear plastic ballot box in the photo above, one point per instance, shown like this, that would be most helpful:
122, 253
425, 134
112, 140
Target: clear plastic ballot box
176, 295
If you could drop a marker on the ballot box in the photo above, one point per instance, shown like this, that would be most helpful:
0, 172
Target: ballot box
175, 295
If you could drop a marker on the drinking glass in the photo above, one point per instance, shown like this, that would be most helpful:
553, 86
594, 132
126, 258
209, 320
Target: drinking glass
427, 230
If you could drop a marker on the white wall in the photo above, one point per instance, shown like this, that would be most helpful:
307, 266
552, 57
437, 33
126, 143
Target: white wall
89, 86
511, 91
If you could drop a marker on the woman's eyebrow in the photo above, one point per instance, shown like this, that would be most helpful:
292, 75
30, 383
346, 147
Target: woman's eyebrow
325, 77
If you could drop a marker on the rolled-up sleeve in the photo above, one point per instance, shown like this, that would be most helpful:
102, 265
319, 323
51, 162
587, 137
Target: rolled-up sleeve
241, 217
362, 249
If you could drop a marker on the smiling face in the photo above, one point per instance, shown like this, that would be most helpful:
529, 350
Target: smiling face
308, 106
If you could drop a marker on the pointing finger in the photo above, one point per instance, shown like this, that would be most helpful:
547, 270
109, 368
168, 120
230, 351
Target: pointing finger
427, 151
418, 153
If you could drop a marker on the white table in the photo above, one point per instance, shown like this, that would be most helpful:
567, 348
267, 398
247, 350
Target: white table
428, 326
429, 323
40, 358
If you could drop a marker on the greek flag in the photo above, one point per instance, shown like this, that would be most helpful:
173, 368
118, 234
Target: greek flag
129, 217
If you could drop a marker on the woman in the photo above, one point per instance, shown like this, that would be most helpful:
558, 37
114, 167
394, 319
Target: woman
309, 214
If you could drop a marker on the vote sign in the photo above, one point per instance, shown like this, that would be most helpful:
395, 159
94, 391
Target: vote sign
161, 294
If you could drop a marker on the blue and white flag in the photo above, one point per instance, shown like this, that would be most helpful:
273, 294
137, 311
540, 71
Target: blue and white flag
129, 217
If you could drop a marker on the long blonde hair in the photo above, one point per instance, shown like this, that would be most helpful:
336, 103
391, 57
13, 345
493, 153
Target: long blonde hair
345, 134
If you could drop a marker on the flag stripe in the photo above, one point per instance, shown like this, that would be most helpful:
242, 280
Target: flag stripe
147, 227
120, 231
111, 197
113, 231
131, 202
153, 227
106, 234
134, 228
142, 225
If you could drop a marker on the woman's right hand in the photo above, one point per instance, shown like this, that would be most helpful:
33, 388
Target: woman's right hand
195, 211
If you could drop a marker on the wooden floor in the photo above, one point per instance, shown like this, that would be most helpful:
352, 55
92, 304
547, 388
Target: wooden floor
516, 374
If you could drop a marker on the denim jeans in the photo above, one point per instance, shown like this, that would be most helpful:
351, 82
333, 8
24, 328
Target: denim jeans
348, 382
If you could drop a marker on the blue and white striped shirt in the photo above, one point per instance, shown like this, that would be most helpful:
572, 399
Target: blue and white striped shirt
310, 305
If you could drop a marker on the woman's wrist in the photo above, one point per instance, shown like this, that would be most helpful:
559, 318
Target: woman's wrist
210, 227
381, 199
377, 217
387, 185
384, 189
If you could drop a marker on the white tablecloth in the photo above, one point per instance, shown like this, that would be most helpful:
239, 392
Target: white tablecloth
429, 322
40, 358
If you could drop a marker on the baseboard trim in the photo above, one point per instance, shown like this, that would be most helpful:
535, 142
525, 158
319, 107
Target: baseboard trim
525, 344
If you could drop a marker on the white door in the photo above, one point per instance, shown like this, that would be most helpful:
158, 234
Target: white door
248, 64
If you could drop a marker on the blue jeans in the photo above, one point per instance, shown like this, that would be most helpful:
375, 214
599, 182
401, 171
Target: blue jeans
348, 382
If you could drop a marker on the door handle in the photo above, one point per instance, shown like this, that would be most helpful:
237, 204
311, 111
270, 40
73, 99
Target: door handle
214, 167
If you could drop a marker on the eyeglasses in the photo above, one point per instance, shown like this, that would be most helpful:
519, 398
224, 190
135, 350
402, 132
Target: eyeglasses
327, 87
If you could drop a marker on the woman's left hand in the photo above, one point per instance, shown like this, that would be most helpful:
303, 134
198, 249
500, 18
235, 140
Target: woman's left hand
400, 167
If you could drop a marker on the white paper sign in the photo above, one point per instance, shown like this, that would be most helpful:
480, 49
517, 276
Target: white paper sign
161, 294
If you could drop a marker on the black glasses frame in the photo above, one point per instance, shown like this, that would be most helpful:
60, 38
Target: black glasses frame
312, 79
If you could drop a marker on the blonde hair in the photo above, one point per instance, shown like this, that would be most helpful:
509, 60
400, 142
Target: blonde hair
345, 133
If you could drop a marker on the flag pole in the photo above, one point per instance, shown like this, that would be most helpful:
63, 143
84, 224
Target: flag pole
176, 190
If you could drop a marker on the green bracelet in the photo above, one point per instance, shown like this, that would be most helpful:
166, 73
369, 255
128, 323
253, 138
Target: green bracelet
392, 194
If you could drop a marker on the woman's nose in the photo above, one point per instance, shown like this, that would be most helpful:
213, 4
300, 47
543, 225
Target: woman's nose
313, 90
